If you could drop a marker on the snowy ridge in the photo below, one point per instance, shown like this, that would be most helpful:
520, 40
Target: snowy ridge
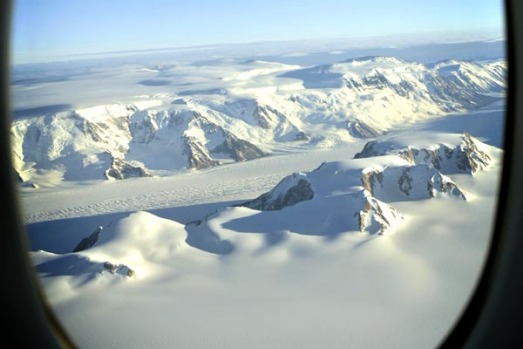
132, 247
283, 109
338, 197
362, 211
416, 182
370, 190
466, 156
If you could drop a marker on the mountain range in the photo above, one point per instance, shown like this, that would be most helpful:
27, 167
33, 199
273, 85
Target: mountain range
327, 106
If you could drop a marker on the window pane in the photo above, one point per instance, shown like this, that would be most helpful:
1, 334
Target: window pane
202, 174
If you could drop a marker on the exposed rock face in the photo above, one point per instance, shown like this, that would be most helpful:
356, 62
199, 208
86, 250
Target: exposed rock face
143, 127
89, 241
200, 150
374, 216
267, 117
110, 132
121, 269
370, 178
471, 156
450, 85
415, 182
302, 136
464, 157
197, 155
457, 81
371, 149
360, 129
238, 149
122, 170
270, 118
362, 211
441, 185
290, 191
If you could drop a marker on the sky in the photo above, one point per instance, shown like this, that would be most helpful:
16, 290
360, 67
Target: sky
42, 29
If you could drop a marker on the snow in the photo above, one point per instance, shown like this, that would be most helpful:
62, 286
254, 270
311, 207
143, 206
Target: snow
268, 104
180, 263
232, 182
280, 277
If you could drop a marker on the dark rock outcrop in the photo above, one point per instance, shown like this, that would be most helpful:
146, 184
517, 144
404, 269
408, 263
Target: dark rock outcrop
88, 241
373, 148
360, 129
238, 149
122, 170
464, 157
197, 155
374, 216
290, 191
121, 269
415, 182
142, 127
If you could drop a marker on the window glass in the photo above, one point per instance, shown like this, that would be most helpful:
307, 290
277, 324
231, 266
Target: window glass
263, 174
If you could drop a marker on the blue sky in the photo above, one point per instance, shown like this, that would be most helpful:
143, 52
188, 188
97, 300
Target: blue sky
51, 28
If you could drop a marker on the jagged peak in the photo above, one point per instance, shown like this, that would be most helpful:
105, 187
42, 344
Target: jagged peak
376, 217
363, 59
121, 169
290, 191
198, 156
359, 129
89, 241
414, 182
465, 156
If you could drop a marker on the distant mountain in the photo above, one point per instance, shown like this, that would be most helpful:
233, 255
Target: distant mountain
336, 103
463, 157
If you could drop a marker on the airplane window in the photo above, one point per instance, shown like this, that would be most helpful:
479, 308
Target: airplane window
263, 174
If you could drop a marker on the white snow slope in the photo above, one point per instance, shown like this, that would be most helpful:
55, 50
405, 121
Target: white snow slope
334, 241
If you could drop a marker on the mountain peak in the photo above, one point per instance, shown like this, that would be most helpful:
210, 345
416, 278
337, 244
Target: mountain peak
463, 156
289, 191
362, 59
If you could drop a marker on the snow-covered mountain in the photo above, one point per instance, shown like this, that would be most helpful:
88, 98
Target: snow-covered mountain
361, 210
354, 199
366, 193
466, 156
410, 182
339, 197
316, 107
284, 233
